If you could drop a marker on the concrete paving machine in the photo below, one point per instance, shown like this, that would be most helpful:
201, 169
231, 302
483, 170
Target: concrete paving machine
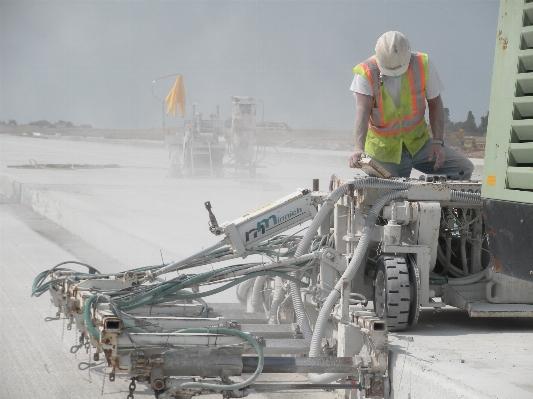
200, 150
242, 146
306, 299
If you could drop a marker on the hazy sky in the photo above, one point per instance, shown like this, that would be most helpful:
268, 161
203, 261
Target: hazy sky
93, 62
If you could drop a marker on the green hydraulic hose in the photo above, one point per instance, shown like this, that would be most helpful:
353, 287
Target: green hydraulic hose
41, 276
91, 299
215, 252
37, 282
227, 331
160, 291
235, 282
39, 291
144, 268
174, 297
151, 293
87, 315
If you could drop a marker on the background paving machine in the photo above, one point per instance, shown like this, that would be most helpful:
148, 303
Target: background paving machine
200, 150
243, 143
400, 243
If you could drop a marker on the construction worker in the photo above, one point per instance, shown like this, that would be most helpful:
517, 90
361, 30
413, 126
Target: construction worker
391, 89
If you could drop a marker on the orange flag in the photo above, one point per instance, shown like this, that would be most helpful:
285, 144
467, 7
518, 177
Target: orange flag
176, 97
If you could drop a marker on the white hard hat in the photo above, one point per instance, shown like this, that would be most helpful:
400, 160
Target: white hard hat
393, 53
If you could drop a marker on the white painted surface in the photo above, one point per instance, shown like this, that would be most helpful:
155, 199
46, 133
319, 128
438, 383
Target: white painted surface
455, 356
36, 359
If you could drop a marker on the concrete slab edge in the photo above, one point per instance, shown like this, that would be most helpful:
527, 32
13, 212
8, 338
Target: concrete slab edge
10, 187
133, 142
411, 379
116, 243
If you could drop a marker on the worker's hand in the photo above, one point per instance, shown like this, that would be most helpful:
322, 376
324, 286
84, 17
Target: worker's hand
354, 159
437, 151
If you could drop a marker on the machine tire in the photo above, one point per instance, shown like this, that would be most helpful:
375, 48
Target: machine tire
392, 291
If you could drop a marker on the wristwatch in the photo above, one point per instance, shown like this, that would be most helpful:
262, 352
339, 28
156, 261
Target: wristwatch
438, 142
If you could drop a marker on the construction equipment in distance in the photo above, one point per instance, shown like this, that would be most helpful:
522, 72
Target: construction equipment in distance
199, 151
242, 146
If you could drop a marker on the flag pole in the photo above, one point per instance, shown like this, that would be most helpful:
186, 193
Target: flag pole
162, 100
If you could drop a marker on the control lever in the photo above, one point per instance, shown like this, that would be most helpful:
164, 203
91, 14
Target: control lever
213, 224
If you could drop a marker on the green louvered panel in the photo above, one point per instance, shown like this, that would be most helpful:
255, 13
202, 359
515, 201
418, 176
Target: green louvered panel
527, 37
508, 170
524, 84
528, 13
521, 153
520, 178
525, 60
523, 108
520, 156
522, 130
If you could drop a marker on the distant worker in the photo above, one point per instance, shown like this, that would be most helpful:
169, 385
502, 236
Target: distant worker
462, 137
391, 89
474, 144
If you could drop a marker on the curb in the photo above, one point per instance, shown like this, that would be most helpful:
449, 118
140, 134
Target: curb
120, 245
412, 379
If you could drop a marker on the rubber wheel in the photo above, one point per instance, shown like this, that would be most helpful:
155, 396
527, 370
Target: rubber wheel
392, 292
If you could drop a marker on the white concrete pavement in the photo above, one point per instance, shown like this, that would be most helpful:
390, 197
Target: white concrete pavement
134, 212
133, 215
36, 361
455, 356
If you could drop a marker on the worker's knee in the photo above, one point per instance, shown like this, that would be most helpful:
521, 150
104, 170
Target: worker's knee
468, 168
457, 166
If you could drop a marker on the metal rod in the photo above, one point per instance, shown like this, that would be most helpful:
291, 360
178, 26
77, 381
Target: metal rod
285, 387
175, 265
301, 365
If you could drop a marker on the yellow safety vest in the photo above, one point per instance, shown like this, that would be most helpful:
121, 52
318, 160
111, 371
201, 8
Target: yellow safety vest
390, 127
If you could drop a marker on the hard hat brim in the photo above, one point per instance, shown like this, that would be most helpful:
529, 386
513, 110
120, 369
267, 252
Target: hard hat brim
394, 72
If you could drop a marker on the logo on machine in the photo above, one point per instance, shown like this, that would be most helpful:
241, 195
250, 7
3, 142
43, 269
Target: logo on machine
271, 222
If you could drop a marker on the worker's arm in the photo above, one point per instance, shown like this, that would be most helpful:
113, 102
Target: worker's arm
362, 116
436, 120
